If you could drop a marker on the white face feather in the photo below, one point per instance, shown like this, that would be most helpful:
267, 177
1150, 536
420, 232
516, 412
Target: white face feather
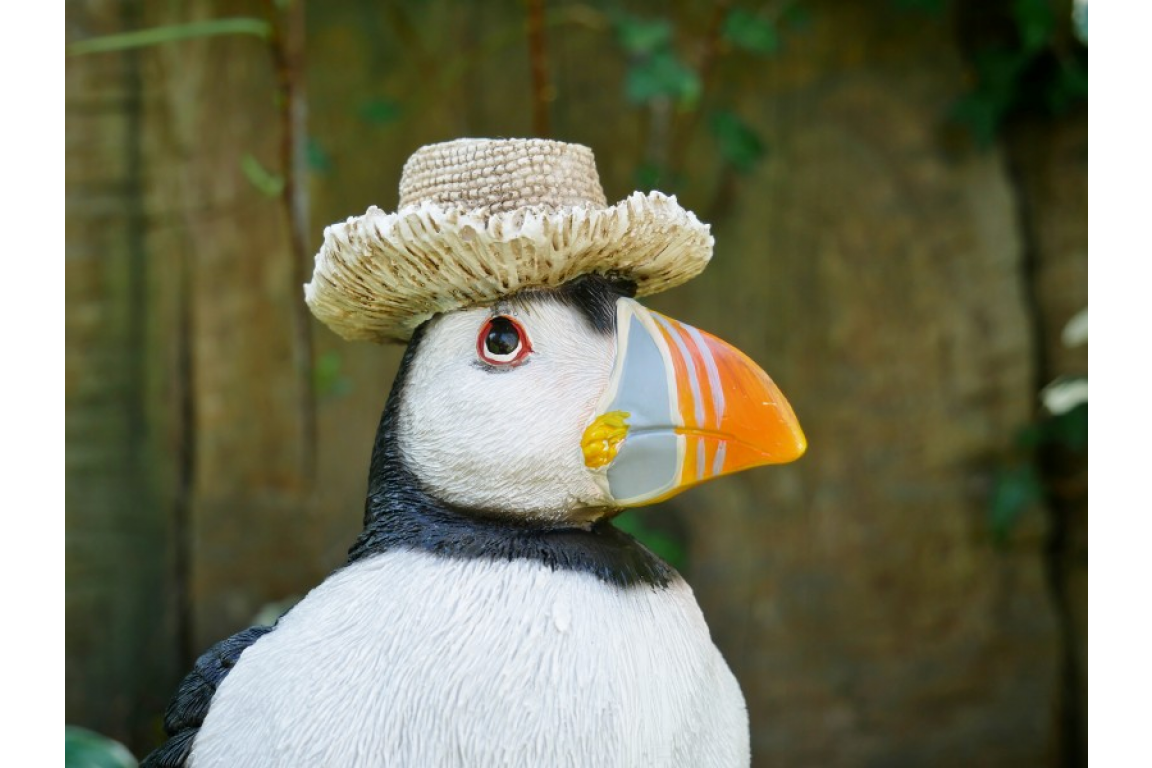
507, 441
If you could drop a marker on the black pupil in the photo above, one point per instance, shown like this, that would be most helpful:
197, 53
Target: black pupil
503, 337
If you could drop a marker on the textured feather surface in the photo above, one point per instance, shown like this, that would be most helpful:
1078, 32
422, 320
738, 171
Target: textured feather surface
188, 708
408, 658
507, 442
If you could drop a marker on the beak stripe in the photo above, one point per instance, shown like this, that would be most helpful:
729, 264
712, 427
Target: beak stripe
693, 360
693, 380
685, 367
718, 463
713, 372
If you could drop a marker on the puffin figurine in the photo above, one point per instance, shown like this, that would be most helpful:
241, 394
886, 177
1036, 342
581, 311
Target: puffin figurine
490, 614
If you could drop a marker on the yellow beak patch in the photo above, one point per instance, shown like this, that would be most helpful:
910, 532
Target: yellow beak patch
602, 439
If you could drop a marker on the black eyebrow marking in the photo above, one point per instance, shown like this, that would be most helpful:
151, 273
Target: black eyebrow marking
594, 296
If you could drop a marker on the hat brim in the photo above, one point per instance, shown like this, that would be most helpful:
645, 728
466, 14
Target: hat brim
380, 275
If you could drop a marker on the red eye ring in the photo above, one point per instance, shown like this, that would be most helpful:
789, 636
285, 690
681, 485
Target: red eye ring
503, 342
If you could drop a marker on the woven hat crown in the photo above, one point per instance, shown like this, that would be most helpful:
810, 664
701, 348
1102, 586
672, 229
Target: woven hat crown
502, 175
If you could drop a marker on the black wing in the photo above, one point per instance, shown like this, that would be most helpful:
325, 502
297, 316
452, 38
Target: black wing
186, 712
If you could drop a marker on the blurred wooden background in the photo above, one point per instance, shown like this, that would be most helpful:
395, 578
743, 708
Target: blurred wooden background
905, 284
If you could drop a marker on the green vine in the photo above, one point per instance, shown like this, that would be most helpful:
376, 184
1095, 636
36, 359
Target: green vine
672, 90
1038, 65
170, 33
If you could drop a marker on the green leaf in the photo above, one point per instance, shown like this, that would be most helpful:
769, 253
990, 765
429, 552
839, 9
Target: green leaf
796, 17
328, 379
662, 75
1064, 393
380, 111
998, 72
142, 38
750, 32
1075, 332
648, 176
1070, 429
928, 7
643, 36
87, 749
1016, 489
739, 145
1067, 87
269, 184
981, 116
1034, 22
318, 158
1030, 436
1080, 20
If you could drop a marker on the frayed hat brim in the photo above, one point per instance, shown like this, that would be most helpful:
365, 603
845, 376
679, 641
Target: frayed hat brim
380, 275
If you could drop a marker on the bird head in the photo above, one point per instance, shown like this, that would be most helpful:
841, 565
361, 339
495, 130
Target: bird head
564, 406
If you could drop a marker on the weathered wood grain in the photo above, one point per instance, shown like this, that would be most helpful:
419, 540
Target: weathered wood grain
120, 599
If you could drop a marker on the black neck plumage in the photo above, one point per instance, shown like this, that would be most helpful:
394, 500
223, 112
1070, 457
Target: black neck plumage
398, 513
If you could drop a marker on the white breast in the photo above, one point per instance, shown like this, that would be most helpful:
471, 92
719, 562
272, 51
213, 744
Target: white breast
413, 659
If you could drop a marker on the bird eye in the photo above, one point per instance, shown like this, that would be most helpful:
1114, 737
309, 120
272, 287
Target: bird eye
502, 342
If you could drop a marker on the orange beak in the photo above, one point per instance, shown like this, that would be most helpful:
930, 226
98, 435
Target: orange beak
682, 407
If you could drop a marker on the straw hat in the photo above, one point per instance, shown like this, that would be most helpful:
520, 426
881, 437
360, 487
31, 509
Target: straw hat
481, 219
